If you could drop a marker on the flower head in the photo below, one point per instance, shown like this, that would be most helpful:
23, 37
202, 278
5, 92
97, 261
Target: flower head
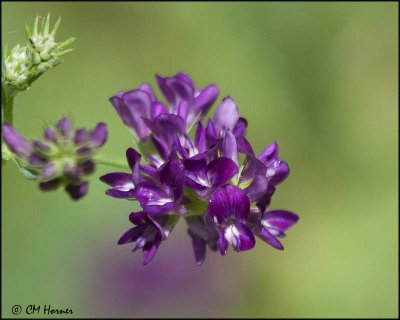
202, 178
24, 64
63, 158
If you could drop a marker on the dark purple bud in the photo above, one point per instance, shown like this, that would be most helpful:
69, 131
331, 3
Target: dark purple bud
40, 146
49, 170
81, 136
50, 135
88, 166
99, 135
50, 185
64, 126
77, 191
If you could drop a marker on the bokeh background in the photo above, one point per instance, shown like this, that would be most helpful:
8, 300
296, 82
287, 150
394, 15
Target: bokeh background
320, 78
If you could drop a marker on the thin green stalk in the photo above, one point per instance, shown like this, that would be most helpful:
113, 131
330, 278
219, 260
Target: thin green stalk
111, 163
7, 101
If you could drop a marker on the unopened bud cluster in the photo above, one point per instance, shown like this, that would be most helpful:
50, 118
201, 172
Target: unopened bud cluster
24, 64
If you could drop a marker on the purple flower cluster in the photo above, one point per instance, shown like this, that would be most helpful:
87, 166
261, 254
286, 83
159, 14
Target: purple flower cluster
200, 178
63, 158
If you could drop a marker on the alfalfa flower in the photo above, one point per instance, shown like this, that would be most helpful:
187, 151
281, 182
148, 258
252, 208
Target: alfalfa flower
62, 158
223, 198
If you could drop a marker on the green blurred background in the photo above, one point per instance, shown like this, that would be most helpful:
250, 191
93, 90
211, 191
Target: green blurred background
320, 78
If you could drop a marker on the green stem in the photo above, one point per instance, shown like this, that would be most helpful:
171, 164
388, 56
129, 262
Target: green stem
111, 163
7, 101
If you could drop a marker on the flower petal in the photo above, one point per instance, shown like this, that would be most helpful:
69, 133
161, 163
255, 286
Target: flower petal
132, 106
158, 207
169, 124
148, 193
244, 146
147, 88
277, 171
157, 108
138, 217
162, 148
269, 153
133, 158
205, 99
197, 170
200, 138
132, 234
229, 146
270, 239
226, 116
149, 251
221, 170
222, 244
176, 88
173, 176
239, 236
119, 180
279, 219
240, 128
229, 202
199, 248
258, 188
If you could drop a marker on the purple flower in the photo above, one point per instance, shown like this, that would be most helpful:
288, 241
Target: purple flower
123, 183
229, 208
63, 158
145, 115
187, 102
148, 233
203, 233
202, 177
267, 163
273, 225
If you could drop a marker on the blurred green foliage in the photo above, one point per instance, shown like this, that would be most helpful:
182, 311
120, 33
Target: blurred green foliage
320, 78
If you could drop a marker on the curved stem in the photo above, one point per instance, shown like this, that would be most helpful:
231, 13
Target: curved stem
111, 163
